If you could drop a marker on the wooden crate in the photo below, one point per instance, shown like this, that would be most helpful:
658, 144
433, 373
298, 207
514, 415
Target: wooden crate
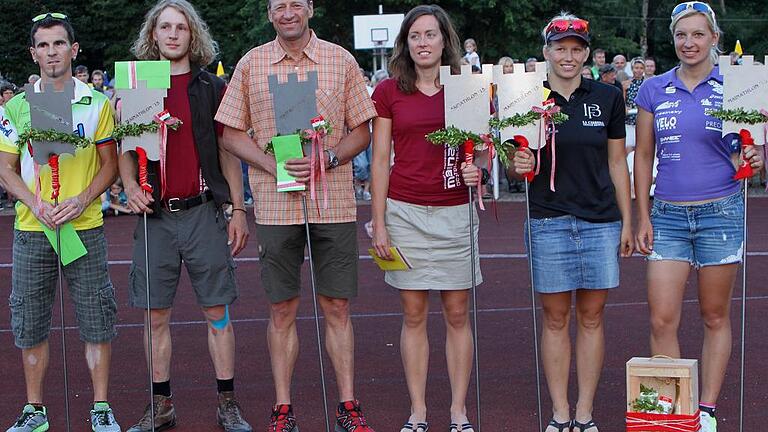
676, 378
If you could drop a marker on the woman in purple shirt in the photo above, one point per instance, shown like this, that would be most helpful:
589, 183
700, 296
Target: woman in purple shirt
698, 213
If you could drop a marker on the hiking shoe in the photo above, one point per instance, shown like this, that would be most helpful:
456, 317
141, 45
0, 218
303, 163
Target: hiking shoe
165, 416
282, 419
229, 414
350, 418
708, 423
31, 420
102, 418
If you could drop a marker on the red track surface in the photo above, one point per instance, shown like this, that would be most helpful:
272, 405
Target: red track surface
506, 345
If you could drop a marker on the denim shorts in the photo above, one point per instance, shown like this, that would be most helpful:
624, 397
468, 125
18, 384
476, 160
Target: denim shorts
703, 235
570, 253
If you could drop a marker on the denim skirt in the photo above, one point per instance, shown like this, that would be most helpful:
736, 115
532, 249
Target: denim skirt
570, 253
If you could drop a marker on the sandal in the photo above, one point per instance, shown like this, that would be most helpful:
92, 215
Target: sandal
464, 427
584, 426
419, 427
566, 426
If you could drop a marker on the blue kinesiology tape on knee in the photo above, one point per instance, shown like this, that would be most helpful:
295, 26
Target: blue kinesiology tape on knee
222, 323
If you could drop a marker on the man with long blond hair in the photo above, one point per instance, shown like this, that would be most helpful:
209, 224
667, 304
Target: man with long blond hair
196, 217
342, 100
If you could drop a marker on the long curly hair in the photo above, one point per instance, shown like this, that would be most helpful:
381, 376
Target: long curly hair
402, 67
203, 50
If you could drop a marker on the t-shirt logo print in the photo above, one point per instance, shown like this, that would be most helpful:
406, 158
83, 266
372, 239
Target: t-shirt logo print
451, 179
592, 111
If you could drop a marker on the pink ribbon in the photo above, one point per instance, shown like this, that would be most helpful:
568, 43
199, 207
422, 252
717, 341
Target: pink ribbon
316, 158
162, 131
546, 117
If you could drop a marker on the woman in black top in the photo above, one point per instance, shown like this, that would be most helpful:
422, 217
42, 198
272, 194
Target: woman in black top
580, 218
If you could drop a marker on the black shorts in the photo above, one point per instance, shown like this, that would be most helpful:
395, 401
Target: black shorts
334, 252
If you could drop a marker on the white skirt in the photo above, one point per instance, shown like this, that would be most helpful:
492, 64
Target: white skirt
435, 240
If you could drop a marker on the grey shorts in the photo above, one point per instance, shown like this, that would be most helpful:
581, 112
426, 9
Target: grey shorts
198, 237
35, 279
334, 251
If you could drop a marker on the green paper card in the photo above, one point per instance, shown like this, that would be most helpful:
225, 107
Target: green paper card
72, 247
157, 74
287, 147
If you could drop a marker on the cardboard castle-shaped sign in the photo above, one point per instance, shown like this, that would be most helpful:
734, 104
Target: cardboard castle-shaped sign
142, 86
50, 110
744, 86
294, 104
467, 98
517, 93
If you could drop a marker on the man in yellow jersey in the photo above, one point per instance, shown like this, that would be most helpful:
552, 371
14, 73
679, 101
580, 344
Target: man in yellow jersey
84, 177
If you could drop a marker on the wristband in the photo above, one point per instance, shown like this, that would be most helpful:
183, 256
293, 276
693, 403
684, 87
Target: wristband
239, 209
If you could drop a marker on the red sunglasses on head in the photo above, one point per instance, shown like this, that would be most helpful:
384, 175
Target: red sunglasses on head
563, 25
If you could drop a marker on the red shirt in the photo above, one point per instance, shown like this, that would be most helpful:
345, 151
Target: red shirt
182, 163
423, 173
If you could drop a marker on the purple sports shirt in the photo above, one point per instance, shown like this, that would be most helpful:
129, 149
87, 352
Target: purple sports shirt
694, 159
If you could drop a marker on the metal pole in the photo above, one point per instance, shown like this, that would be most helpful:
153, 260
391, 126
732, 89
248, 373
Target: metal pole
743, 311
474, 301
533, 303
149, 327
63, 324
317, 315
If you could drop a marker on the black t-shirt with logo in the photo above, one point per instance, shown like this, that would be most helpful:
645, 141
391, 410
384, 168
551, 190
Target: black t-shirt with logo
583, 185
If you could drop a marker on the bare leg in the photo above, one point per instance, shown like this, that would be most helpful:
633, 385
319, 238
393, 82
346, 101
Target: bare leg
35, 362
221, 343
715, 290
590, 348
666, 285
283, 342
414, 350
340, 344
161, 344
459, 347
556, 352
98, 357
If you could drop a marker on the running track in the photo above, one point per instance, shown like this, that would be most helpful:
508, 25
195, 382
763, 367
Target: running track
506, 345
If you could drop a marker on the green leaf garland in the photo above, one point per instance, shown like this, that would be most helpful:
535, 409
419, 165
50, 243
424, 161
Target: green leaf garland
455, 137
121, 131
522, 120
740, 115
54, 136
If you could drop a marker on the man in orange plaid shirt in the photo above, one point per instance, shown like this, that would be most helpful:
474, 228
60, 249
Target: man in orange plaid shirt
343, 101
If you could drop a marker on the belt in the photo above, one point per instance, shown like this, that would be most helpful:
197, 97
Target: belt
176, 204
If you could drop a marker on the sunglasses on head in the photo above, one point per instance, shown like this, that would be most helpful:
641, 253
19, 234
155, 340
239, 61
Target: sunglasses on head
54, 15
563, 25
695, 5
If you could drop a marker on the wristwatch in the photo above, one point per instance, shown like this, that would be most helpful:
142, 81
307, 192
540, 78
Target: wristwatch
333, 161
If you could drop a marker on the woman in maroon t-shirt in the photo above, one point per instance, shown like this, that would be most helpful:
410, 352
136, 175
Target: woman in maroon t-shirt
420, 204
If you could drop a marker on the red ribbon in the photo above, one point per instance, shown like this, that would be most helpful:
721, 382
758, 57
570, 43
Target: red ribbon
469, 158
647, 422
143, 176
316, 158
162, 132
522, 143
53, 162
745, 169
546, 117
